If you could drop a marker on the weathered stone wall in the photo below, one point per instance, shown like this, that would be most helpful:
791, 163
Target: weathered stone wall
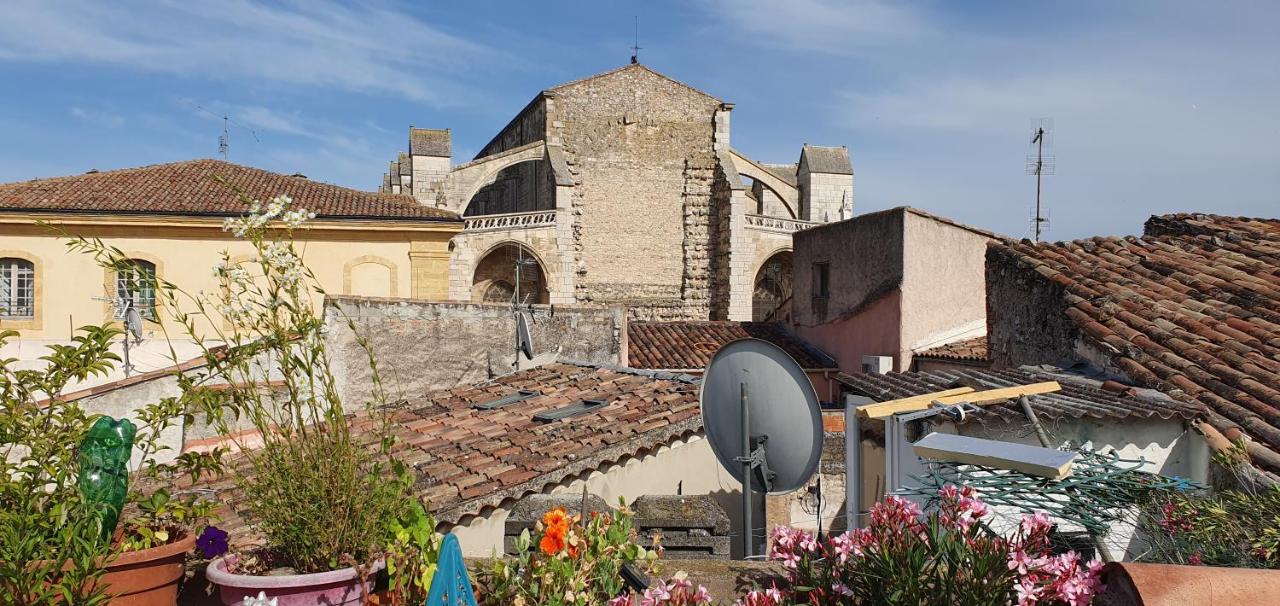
1026, 315
524, 187
640, 147
429, 173
423, 346
528, 126
865, 257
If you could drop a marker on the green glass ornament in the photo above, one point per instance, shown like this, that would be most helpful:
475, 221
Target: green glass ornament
104, 468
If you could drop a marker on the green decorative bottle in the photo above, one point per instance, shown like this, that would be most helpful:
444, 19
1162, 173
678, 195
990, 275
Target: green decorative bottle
104, 469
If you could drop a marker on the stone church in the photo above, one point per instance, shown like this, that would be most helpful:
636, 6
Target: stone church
624, 188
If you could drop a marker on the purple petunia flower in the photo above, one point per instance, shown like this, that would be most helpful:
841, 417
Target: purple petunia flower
212, 542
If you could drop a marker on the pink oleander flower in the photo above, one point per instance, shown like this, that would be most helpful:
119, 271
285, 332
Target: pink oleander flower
1028, 591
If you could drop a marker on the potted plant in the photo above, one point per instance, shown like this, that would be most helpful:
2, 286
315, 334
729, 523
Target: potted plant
64, 475
320, 496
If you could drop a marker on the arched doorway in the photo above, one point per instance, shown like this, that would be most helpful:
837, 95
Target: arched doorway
772, 286
495, 279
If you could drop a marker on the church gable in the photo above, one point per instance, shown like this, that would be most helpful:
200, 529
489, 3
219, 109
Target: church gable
640, 89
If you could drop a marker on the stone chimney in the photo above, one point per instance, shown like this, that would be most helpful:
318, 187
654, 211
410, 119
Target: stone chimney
430, 157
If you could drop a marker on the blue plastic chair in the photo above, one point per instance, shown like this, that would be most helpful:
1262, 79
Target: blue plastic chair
451, 586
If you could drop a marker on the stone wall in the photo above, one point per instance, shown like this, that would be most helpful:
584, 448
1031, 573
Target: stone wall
528, 126
422, 346
640, 147
1026, 315
865, 260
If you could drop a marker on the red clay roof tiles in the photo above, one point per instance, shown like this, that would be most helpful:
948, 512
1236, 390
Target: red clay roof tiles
967, 350
191, 188
1193, 305
689, 345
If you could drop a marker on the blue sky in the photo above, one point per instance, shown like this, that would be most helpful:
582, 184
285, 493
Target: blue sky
1158, 106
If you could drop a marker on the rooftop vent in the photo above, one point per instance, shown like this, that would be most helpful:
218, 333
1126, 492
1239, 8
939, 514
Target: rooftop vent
92, 171
572, 410
298, 175
507, 400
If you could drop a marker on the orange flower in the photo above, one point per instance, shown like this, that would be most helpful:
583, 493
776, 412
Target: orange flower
552, 542
556, 518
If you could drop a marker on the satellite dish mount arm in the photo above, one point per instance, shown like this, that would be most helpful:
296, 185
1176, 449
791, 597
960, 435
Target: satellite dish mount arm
753, 448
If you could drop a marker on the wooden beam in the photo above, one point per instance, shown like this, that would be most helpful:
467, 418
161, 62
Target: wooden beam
1004, 393
920, 402
956, 396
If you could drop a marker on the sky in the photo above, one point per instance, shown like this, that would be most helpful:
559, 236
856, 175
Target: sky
1156, 106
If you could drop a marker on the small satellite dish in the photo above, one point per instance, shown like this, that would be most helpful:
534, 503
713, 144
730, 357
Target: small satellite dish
762, 418
524, 343
133, 323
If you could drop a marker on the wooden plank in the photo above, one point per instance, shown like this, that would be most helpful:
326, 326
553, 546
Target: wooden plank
920, 402
1004, 393
1031, 460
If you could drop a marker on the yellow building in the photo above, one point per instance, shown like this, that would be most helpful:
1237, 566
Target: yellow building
169, 217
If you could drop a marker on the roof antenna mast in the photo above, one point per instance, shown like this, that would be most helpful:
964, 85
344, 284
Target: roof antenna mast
1040, 165
224, 140
635, 46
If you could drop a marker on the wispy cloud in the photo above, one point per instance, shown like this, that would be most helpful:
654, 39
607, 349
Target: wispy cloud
374, 48
825, 26
97, 117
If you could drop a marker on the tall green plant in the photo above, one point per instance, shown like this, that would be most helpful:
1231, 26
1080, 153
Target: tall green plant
50, 548
321, 495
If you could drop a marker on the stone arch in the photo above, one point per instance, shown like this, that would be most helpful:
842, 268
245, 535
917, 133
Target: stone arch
522, 186
772, 284
352, 281
494, 274
467, 179
787, 193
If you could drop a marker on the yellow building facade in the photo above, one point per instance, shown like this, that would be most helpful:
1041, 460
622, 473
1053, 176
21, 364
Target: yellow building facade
169, 219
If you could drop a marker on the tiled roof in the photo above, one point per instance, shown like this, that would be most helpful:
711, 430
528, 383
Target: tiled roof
191, 188
1080, 396
833, 160
467, 459
1192, 306
430, 142
965, 350
689, 345
786, 172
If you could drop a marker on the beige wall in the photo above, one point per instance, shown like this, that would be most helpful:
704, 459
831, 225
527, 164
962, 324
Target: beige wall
379, 259
688, 465
944, 289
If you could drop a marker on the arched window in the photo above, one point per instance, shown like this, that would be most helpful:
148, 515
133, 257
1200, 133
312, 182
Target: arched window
136, 282
17, 289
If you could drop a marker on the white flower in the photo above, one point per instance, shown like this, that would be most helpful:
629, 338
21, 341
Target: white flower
261, 600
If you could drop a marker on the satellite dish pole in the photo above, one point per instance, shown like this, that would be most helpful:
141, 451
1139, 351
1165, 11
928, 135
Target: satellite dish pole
761, 417
1040, 165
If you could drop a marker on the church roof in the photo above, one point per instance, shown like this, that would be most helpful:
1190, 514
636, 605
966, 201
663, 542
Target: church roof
430, 142
205, 188
406, 169
786, 172
625, 68
831, 160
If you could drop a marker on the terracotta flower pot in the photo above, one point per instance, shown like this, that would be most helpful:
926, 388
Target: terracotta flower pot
334, 588
148, 577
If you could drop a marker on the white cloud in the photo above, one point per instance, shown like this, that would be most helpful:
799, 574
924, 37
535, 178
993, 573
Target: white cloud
97, 117
825, 26
366, 48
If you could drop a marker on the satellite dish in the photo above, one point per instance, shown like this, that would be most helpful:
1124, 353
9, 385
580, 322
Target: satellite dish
133, 323
762, 418
524, 343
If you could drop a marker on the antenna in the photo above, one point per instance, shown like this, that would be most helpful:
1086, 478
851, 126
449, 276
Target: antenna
761, 417
224, 140
635, 46
123, 308
1040, 165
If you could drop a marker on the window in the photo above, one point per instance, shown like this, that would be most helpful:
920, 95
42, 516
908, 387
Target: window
821, 280
17, 289
136, 281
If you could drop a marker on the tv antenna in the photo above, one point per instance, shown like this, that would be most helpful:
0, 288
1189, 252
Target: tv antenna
762, 419
224, 140
635, 45
522, 310
1040, 165
123, 307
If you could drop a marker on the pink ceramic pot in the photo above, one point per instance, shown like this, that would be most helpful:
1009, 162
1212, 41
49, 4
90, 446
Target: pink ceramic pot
335, 588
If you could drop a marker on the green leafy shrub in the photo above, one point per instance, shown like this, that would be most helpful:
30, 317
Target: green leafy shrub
1230, 528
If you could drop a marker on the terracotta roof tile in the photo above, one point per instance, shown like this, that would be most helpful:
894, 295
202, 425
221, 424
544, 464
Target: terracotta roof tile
689, 345
1192, 305
967, 350
485, 457
191, 188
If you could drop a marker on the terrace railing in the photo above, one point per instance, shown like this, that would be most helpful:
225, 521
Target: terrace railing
540, 218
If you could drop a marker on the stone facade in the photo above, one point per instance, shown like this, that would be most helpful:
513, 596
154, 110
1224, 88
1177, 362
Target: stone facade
626, 190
